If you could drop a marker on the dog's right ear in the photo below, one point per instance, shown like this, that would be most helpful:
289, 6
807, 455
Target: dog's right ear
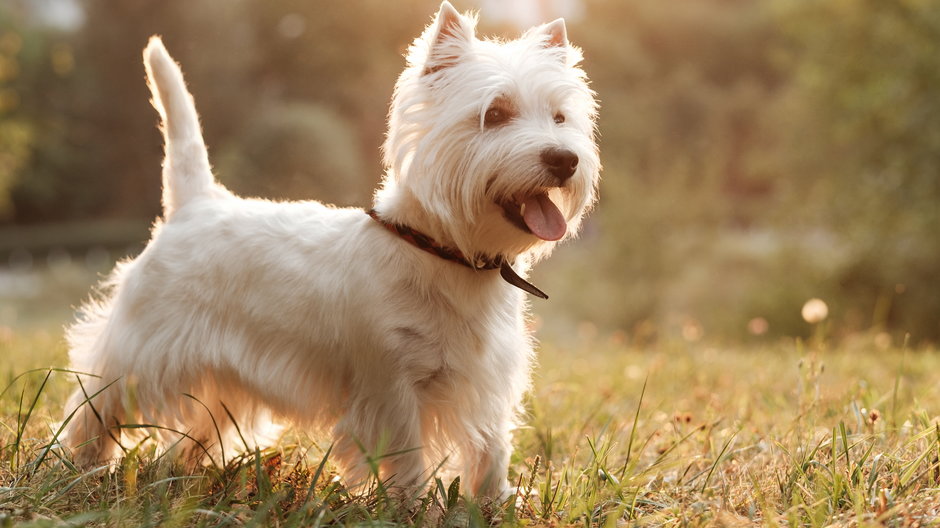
447, 38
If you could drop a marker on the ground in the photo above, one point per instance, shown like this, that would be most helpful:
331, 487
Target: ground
783, 433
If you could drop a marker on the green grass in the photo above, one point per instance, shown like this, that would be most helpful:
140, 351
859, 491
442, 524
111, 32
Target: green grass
676, 434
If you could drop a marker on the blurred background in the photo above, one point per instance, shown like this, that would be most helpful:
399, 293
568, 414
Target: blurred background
757, 154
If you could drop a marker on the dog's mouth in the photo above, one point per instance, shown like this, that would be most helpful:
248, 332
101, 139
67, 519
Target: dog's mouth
536, 213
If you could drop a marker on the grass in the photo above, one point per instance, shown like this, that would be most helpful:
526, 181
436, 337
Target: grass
781, 434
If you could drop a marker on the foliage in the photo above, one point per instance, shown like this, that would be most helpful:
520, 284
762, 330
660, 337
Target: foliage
759, 154
16, 132
869, 142
756, 154
297, 150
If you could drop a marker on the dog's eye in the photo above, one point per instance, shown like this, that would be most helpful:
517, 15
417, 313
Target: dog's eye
559, 118
495, 116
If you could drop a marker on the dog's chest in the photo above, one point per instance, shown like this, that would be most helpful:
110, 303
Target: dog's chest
442, 349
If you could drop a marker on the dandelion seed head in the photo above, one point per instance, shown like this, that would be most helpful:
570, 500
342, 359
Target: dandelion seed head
815, 310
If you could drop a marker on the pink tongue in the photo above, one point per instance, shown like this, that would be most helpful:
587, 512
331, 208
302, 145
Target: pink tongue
543, 218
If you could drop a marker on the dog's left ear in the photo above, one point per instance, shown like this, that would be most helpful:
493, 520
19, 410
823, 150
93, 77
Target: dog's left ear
557, 34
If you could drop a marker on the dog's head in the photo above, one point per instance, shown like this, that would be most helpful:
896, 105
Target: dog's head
493, 141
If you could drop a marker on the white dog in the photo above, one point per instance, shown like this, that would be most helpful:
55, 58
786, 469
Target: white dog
392, 327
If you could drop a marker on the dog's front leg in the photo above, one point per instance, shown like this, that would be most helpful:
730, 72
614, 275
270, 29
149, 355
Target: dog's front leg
382, 431
486, 465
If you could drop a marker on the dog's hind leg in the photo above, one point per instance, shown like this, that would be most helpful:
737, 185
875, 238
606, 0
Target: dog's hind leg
96, 408
96, 412
221, 422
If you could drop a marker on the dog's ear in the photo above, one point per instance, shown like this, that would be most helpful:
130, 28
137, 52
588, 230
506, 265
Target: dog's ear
557, 34
447, 38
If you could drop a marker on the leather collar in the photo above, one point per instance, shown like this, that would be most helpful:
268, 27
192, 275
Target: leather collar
426, 243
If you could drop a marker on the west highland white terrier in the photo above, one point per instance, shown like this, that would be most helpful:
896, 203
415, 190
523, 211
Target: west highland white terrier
403, 329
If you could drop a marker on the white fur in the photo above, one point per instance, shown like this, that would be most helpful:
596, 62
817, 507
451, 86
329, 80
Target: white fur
319, 315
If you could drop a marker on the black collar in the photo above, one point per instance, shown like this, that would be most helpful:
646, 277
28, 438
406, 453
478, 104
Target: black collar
422, 241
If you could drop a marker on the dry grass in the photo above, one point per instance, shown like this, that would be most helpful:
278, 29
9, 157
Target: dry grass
780, 434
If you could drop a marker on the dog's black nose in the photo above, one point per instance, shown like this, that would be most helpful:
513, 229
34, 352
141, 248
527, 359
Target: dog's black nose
561, 162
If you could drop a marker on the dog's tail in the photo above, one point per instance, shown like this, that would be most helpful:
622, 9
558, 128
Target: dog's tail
186, 170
